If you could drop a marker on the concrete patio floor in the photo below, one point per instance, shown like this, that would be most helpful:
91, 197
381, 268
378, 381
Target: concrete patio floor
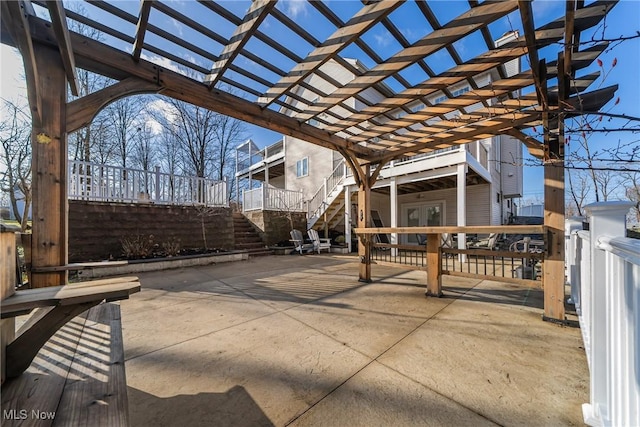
297, 340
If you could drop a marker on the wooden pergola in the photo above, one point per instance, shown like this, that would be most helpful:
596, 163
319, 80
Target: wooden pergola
208, 67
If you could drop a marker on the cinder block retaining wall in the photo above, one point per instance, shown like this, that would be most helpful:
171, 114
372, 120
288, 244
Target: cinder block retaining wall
96, 229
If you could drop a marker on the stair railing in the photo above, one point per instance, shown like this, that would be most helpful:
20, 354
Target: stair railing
319, 202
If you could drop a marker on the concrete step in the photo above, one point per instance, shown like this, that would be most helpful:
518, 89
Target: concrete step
260, 252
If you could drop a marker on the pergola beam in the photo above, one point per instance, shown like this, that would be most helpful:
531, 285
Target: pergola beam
59, 23
141, 27
526, 15
81, 112
534, 146
14, 17
257, 12
360, 23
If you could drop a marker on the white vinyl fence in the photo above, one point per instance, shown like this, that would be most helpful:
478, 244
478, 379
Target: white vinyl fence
90, 181
603, 268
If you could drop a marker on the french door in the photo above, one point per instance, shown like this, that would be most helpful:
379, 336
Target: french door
429, 214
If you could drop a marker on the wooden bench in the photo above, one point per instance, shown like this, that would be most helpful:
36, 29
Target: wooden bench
56, 305
65, 364
77, 378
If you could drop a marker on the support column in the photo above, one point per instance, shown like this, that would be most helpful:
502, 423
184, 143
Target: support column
393, 196
347, 217
49, 170
461, 199
553, 274
364, 215
434, 266
553, 280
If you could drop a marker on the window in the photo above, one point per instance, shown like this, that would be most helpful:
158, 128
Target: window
455, 94
302, 167
498, 198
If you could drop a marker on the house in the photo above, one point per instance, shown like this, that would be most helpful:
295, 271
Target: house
469, 184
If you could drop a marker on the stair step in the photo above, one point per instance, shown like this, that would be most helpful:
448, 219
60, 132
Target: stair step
245, 235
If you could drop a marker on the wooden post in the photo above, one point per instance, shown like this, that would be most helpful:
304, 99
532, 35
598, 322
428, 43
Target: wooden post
7, 288
49, 169
553, 269
364, 213
434, 266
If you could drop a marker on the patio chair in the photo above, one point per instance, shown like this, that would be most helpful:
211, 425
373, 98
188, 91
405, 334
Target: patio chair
488, 243
299, 242
319, 243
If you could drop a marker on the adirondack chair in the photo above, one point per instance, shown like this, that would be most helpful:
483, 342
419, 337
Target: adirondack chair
319, 243
299, 243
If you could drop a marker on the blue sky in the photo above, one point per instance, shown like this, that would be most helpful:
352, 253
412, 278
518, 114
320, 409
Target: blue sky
624, 20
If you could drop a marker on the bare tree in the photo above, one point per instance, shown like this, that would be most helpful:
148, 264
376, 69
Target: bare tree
632, 190
579, 188
123, 116
15, 175
144, 151
609, 181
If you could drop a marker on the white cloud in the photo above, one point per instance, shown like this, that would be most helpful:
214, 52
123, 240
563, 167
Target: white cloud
410, 34
460, 47
159, 106
295, 8
177, 25
382, 40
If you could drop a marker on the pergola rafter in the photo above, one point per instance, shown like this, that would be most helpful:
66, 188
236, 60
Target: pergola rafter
59, 22
255, 15
431, 43
361, 22
141, 27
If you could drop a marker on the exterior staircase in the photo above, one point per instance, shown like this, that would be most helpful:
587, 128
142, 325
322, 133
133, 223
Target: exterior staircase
247, 238
328, 202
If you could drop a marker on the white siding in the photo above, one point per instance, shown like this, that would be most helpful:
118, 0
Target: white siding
511, 167
479, 205
320, 166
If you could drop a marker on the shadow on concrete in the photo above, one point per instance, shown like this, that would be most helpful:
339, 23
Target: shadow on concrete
235, 407
525, 297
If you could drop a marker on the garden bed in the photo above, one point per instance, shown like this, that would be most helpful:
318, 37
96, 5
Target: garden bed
155, 264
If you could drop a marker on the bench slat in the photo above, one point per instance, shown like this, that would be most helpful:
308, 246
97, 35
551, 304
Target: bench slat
96, 396
79, 373
79, 266
40, 387
26, 300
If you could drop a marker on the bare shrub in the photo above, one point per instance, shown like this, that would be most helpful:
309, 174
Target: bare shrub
137, 246
171, 247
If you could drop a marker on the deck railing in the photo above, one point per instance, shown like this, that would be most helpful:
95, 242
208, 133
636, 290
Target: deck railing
271, 198
512, 259
520, 266
91, 181
603, 268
